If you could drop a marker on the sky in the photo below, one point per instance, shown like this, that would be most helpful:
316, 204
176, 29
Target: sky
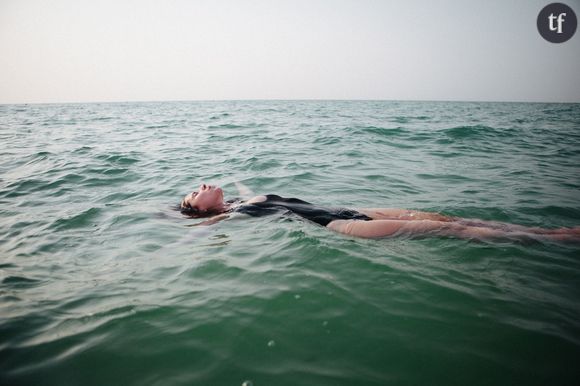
144, 50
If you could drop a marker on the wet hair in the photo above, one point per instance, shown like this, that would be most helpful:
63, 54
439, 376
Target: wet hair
193, 212
188, 210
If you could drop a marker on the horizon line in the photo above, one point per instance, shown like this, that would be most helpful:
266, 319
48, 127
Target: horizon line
285, 100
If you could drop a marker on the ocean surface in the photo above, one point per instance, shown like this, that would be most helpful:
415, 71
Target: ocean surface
102, 282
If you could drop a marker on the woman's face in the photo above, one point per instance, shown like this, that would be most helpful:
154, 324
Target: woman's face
207, 197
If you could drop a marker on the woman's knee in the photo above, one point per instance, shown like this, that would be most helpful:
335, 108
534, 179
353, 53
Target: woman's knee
339, 225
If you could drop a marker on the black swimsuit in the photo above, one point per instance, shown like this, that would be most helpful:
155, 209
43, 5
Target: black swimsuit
318, 214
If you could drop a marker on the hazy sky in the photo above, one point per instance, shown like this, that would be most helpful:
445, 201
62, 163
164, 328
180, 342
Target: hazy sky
134, 50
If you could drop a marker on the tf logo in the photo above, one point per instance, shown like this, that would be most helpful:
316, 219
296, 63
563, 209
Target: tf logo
557, 22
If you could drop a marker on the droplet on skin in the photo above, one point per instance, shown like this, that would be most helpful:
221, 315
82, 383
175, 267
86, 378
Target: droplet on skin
271, 343
296, 296
247, 383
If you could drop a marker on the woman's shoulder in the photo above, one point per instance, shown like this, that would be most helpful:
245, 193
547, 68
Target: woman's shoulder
236, 204
256, 199
272, 199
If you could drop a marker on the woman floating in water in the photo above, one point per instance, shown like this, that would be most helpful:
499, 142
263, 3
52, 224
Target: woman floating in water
208, 201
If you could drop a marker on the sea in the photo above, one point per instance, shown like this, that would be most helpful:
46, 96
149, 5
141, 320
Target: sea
104, 282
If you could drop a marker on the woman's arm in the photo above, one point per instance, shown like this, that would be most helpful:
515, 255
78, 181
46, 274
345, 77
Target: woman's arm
211, 220
243, 189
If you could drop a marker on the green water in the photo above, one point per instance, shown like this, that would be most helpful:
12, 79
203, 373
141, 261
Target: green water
102, 282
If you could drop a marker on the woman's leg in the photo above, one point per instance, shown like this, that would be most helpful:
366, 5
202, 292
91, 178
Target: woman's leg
367, 229
413, 215
403, 214
387, 228
507, 227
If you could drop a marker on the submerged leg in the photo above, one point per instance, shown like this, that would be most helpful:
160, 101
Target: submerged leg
462, 229
387, 228
507, 227
413, 215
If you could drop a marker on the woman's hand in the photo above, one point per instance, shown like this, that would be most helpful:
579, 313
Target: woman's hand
245, 192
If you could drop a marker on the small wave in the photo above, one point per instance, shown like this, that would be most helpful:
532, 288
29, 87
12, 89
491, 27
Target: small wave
259, 165
118, 159
110, 180
383, 131
552, 211
400, 119
80, 220
43, 154
355, 154
409, 118
218, 116
38, 157
328, 140
445, 154
114, 171
56, 187
71, 178
558, 110
477, 132
22, 188
82, 150
397, 145
521, 120
226, 126
156, 126
20, 282
117, 197
232, 138
446, 177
